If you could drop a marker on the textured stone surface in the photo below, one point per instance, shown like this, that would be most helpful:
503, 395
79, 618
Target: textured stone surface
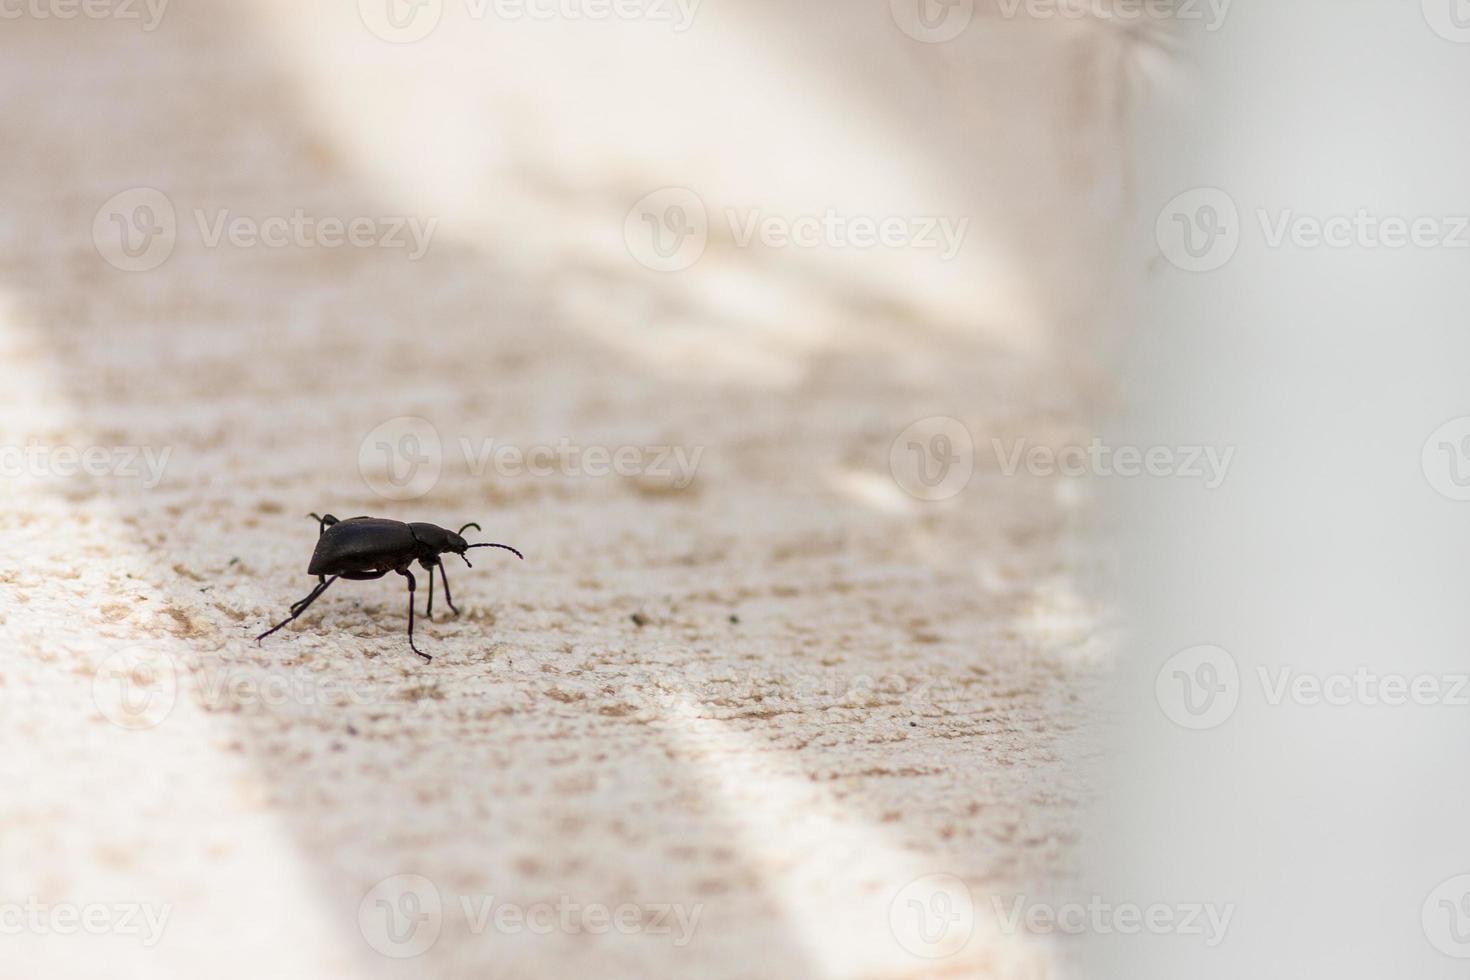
831, 688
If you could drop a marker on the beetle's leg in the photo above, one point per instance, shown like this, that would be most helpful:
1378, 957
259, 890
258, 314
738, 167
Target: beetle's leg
430, 611
412, 587
448, 599
298, 608
301, 603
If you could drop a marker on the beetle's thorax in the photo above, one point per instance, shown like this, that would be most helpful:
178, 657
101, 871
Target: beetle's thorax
435, 539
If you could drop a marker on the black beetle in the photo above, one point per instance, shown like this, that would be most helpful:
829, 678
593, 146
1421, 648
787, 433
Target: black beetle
363, 548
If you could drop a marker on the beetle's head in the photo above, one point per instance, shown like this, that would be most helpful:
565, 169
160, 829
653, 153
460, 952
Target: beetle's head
459, 546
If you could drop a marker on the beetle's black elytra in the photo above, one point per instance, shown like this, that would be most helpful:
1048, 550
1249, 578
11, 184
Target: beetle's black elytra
363, 548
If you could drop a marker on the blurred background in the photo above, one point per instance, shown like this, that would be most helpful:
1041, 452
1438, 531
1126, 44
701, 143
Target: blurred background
800, 350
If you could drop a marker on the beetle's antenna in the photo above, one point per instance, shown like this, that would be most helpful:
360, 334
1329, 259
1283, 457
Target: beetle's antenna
484, 545
470, 524
505, 546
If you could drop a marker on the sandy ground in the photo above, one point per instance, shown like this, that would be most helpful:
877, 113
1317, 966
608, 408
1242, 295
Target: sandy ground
778, 701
